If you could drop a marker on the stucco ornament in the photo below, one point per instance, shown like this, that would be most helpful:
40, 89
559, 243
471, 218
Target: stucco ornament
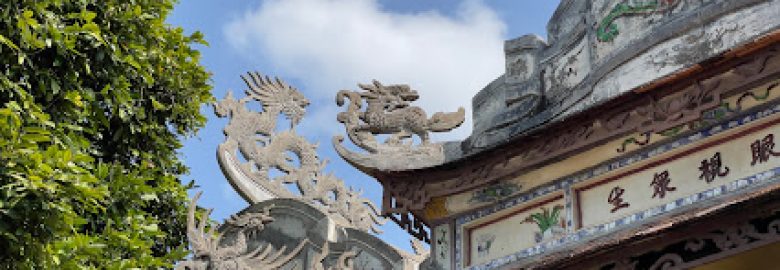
211, 252
345, 261
389, 112
283, 164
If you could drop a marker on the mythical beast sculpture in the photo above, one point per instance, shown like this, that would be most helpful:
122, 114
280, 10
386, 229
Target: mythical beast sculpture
274, 162
389, 112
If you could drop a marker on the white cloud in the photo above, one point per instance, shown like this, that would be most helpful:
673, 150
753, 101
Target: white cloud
334, 44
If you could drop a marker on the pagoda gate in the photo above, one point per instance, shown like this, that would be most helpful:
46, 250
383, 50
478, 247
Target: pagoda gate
639, 135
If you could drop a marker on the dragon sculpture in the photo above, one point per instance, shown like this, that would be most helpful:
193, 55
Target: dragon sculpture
210, 251
389, 112
282, 164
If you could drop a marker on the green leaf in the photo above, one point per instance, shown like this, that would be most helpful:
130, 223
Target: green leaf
8, 43
75, 122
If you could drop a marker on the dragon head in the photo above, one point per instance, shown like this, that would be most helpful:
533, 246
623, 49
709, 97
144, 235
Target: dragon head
276, 96
293, 106
403, 91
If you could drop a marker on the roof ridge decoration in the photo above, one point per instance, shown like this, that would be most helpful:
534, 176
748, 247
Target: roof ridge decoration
389, 111
209, 251
283, 164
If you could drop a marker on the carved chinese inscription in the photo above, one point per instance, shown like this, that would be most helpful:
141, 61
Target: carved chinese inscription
616, 199
763, 149
660, 184
712, 168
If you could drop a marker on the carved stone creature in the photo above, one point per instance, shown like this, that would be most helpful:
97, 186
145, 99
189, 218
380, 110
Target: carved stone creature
254, 136
210, 252
247, 128
388, 111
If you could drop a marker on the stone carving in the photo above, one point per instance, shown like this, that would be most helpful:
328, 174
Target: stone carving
211, 252
388, 111
608, 30
694, 47
345, 260
254, 136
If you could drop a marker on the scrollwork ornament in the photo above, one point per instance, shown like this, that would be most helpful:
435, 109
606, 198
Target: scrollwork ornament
388, 111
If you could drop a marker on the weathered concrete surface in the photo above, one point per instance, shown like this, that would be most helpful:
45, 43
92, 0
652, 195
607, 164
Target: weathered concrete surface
575, 69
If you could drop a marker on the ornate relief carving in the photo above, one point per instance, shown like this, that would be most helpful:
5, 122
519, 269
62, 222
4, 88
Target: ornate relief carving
727, 108
694, 47
656, 112
253, 135
210, 252
389, 111
694, 251
346, 260
608, 30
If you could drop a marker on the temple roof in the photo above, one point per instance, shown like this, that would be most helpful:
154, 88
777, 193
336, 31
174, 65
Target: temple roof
605, 68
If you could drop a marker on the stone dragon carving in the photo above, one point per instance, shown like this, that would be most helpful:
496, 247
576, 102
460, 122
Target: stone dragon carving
211, 252
389, 112
282, 164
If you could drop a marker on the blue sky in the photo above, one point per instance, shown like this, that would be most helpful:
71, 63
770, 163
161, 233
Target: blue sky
446, 49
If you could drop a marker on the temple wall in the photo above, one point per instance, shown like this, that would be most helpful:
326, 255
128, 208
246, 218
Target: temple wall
628, 191
543, 176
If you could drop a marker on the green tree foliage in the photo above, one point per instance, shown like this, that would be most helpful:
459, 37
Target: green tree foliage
94, 98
